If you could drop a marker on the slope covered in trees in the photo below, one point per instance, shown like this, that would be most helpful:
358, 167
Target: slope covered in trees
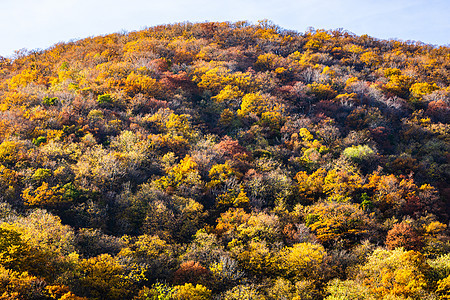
225, 161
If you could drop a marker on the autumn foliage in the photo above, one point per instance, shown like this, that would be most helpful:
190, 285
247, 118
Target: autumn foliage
225, 160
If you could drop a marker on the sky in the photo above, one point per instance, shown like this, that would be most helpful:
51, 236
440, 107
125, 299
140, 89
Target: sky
39, 24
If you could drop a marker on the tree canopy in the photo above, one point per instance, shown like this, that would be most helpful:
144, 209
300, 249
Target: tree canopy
225, 160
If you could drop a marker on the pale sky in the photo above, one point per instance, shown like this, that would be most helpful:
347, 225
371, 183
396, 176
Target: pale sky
38, 24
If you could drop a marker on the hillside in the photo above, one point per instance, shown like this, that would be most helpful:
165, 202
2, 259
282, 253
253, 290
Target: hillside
225, 161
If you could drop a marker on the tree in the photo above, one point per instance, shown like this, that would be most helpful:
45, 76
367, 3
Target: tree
403, 235
348, 289
183, 174
255, 257
443, 288
321, 91
260, 227
397, 273
158, 291
284, 289
137, 83
191, 272
155, 256
358, 153
333, 222
190, 292
302, 261
16, 285
46, 196
232, 198
341, 185
420, 89
440, 275
14, 252
103, 277
228, 94
388, 193
310, 187
245, 292
226, 273
252, 105
219, 173
11, 152
229, 221
399, 85
370, 58
205, 248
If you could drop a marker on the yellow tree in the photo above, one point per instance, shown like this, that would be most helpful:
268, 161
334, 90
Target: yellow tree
252, 104
189, 291
396, 273
340, 185
227, 94
45, 195
184, 173
398, 84
302, 261
333, 222
310, 187
103, 277
420, 89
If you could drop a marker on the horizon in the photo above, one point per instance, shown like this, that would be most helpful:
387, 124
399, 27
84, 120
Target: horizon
123, 31
39, 26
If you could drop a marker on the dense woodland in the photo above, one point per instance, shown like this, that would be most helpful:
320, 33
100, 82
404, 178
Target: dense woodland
225, 161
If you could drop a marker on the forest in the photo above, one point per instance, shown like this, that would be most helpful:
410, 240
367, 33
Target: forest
225, 161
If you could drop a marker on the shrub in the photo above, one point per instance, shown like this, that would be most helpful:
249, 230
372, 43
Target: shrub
358, 153
39, 140
47, 101
104, 99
